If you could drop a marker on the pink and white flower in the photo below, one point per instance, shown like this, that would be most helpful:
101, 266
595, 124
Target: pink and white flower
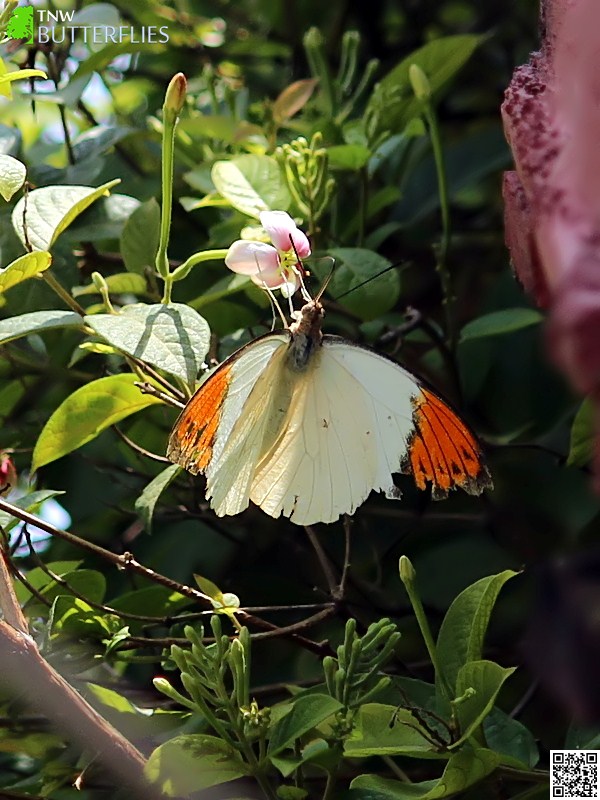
551, 115
271, 266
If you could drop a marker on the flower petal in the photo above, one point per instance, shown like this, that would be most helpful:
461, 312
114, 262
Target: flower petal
246, 257
283, 231
286, 280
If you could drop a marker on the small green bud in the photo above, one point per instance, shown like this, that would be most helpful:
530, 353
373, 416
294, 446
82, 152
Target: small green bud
99, 283
175, 96
407, 571
419, 82
329, 670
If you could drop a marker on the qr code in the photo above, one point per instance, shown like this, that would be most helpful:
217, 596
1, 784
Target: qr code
573, 774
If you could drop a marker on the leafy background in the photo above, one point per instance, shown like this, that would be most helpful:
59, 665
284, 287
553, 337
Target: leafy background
238, 58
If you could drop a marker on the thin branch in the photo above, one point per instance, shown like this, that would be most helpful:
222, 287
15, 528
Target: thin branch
44, 690
148, 388
128, 563
9, 604
323, 559
138, 448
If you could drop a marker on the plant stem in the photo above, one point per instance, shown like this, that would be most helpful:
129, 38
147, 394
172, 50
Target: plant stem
408, 575
162, 262
442, 254
206, 255
63, 294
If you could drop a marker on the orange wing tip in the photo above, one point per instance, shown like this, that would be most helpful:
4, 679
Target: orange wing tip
193, 436
443, 451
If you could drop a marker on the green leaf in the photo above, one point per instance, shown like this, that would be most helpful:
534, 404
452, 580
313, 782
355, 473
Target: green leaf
348, 156
86, 413
463, 770
36, 322
498, 322
152, 600
582, 738
354, 265
171, 337
462, 632
12, 176
104, 220
583, 433
384, 730
23, 268
306, 713
251, 183
393, 103
468, 159
73, 616
87, 582
111, 699
139, 240
30, 502
188, 764
96, 141
50, 211
291, 793
146, 502
486, 679
35, 745
510, 738
218, 126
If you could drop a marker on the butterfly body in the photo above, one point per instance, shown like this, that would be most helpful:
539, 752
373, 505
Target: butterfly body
307, 425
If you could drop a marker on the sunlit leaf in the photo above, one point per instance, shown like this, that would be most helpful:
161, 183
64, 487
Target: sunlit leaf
51, 209
172, 337
86, 413
37, 322
251, 183
25, 267
12, 176
190, 763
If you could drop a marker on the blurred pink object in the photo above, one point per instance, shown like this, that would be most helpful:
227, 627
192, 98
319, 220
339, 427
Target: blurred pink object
551, 116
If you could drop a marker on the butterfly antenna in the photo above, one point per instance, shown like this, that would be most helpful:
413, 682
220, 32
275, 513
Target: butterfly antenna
401, 264
327, 280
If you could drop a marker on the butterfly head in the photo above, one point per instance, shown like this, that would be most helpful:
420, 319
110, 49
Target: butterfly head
306, 334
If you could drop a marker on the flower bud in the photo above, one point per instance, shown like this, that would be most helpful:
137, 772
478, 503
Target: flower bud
419, 82
175, 96
407, 571
8, 473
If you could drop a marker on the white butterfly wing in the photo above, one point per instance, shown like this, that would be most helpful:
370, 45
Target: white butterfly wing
221, 430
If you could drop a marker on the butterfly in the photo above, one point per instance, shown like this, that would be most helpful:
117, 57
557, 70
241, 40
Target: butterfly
306, 425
